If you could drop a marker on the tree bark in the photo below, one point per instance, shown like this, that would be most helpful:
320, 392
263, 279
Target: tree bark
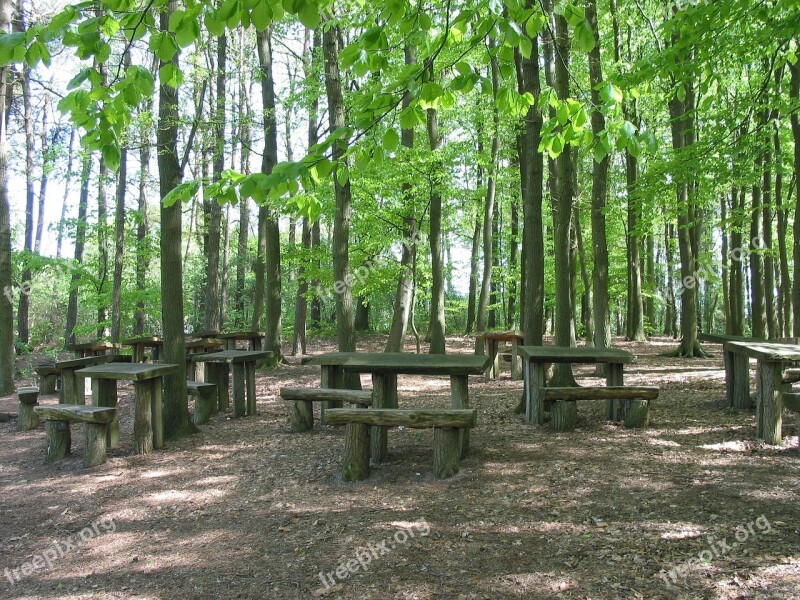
474, 258
794, 95
67, 182
119, 247
23, 325
7, 357
176, 404
47, 166
80, 241
436, 328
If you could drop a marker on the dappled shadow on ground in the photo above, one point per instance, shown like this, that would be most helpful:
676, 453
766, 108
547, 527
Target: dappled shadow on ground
246, 509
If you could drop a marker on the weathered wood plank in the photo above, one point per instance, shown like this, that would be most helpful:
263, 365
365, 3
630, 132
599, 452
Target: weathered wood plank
601, 393
416, 364
556, 354
361, 397
411, 418
128, 371
69, 412
766, 351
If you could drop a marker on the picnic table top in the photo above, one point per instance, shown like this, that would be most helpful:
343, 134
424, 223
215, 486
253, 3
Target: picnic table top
146, 339
502, 336
96, 345
232, 356
719, 338
583, 354
405, 363
130, 371
86, 361
204, 343
766, 351
240, 335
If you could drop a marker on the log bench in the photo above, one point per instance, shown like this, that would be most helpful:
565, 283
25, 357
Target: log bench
564, 410
27, 419
447, 425
57, 419
48, 375
791, 376
303, 398
205, 400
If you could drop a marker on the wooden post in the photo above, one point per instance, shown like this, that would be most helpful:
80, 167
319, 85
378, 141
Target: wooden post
302, 416
70, 389
27, 419
58, 440
534, 392
494, 360
378, 435
47, 381
741, 382
516, 364
564, 415
614, 377
239, 402
104, 393
769, 402
142, 423
459, 398
332, 376
637, 413
729, 358
356, 452
446, 453
223, 384
157, 411
205, 403
95, 448
210, 376
250, 380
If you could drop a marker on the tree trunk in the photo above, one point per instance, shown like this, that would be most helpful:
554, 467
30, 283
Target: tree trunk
513, 269
7, 357
23, 325
474, 257
726, 265
102, 232
437, 326
80, 241
272, 257
794, 94
176, 404
67, 182
586, 301
345, 321
489, 211
785, 295
47, 166
562, 209
494, 301
402, 296
758, 305
119, 247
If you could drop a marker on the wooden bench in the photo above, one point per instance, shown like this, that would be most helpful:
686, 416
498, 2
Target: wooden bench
447, 426
791, 402
304, 398
27, 419
791, 376
564, 409
48, 376
57, 418
205, 403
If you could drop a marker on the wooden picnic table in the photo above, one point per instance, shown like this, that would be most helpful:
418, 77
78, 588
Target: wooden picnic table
72, 389
140, 344
386, 366
243, 363
493, 339
148, 425
254, 339
96, 348
770, 358
534, 359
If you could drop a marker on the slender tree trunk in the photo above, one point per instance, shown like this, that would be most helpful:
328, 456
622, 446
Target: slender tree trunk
242, 255
586, 302
474, 257
80, 241
272, 257
726, 266
494, 301
773, 330
7, 357
670, 316
313, 138
143, 252
513, 254
301, 300
489, 210
562, 205
437, 324
759, 315
345, 319
176, 405
785, 296
223, 288
794, 117
23, 325
119, 247
402, 297
67, 183
102, 233
47, 166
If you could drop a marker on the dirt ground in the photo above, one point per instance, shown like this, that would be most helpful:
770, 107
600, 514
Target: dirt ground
691, 507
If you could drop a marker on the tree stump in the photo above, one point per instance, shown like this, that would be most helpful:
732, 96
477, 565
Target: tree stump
96, 447
637, 413
58, 440
564, 415
356, 452
446, 451
302, 416
27, 419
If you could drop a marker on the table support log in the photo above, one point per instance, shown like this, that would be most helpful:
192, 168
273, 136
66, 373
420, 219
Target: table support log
356, 452
446, 453
239, 402
95, 449
143, 432
250, 381
769, 402
378, 435
459, 398
534, 392
516, 361
58, 440
104, 393
740, 392
614, 377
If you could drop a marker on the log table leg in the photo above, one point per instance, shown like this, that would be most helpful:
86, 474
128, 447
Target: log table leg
564, 415
459, 398
70, 388
157, 411
516, 365
356, 452
27, 419
104, 393
239, 402
740, 392
728, 358
142, 424
332, 376
534, 392
250, 382
302, 416
446, 453
95, 450
378, 434
494, 359
223, 376
614, 377
58, 440
769, 402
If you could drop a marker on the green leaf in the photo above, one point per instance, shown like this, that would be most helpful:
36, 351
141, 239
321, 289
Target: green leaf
628, 129
261, 15
562, 114
215, 26
164, 46
170, 75
183, 192
309, 15
584, 37
188, 32
391, 139
525, 46
111, 156
599, 153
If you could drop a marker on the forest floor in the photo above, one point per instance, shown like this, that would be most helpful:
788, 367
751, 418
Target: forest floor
691, 507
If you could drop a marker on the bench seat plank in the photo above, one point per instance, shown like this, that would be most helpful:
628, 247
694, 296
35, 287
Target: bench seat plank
362, 397
70, 412
556, 394
411, 418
